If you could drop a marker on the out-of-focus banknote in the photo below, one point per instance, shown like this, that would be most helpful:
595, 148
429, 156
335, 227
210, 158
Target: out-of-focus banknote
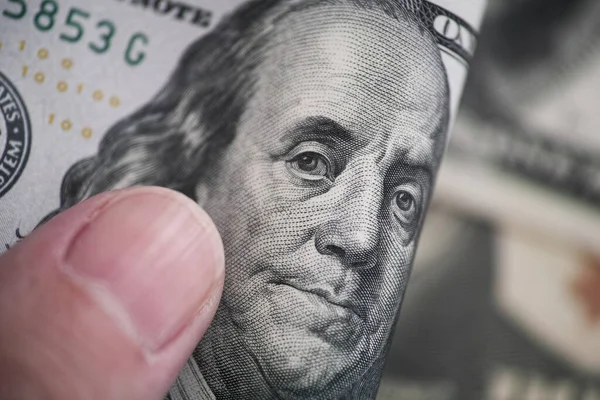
310, 130
496, 313
530, 116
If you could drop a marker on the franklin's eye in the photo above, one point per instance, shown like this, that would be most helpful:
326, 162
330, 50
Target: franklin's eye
405, 207
311, 166
404, 201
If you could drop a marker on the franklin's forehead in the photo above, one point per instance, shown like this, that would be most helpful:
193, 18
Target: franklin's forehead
379, 77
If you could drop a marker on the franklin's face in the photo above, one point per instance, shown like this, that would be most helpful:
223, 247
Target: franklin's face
321, 194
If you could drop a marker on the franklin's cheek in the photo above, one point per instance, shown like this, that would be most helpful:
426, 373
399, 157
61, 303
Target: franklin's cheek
281, 233
292, 221
396, 261
245, 202
397, 251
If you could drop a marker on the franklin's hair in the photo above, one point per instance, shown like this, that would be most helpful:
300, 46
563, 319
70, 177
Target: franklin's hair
170, 140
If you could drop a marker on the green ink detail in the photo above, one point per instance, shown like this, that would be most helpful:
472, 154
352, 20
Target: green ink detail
140, 54
77, 26
16, 14
106, 37
47, 12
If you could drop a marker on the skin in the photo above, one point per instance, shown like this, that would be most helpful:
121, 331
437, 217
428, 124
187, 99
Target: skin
79, 320
325, 186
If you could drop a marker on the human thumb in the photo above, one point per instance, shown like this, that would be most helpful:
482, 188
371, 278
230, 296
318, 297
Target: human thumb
108, 299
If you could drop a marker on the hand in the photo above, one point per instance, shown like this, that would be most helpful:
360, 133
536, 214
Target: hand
108, 299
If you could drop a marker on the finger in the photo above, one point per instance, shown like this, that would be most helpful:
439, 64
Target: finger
108, 299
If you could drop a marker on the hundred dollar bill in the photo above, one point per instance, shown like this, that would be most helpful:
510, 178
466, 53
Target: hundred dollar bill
310, 130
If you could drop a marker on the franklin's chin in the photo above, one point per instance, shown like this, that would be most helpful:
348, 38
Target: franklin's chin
318, 348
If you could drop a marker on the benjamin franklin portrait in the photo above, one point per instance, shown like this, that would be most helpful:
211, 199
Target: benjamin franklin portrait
311, 132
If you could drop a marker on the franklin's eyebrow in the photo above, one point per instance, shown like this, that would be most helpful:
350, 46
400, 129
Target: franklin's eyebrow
319, 127
425, 163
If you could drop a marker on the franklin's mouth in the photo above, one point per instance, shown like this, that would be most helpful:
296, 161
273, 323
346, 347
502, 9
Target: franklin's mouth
325, 296
337, 321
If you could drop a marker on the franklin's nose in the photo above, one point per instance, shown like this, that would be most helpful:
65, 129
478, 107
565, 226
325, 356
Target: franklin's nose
354, 234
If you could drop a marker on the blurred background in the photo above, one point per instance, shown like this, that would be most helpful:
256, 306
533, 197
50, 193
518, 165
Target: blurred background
504, 298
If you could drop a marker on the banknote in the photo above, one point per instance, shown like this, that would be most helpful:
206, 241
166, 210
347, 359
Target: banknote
310, 130
496, 312
530, 105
